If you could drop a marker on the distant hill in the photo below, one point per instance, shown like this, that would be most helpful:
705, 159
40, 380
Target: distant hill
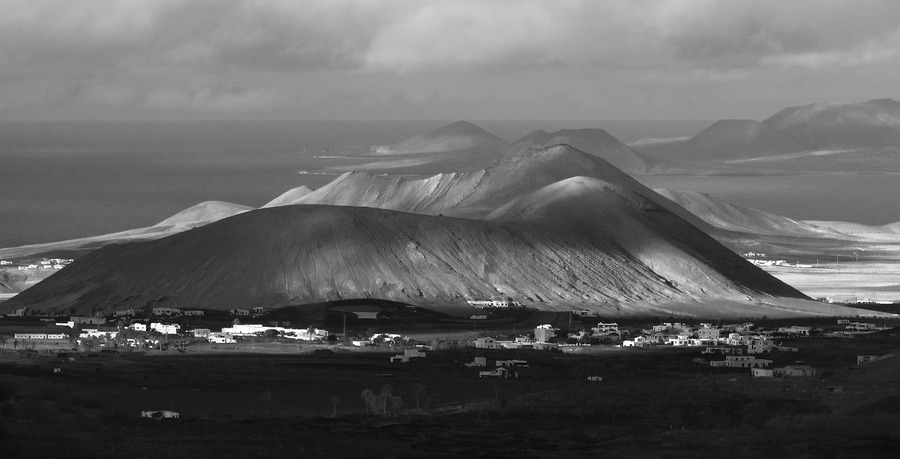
596, 142
192, 217
476, 194
823, 137
726, 216
870, 124
734, 139
457, 136
204, 212
290, 197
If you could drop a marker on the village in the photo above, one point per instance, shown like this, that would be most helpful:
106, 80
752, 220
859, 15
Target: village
730, 345
223, 372
42, 263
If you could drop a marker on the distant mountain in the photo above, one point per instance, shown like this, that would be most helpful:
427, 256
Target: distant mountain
871, 124
735, 139
192, 217
475, 194
824, 137
204, 212
290, 197
726, 216
457, 136
593, 141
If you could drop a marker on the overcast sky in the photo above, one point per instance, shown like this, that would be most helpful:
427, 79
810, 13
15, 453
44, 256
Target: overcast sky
449, 59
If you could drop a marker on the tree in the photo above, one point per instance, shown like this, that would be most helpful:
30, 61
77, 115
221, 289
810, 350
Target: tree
418, 388
90, 344
396, 403
334, 401
266, 397
3, 340
367, 397
385, 396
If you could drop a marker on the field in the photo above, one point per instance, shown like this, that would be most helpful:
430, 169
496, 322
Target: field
651, 402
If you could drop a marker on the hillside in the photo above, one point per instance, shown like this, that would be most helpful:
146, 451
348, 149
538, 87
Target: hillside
460, 135
726, 216
305, 254
596, 142
290, 196
738, 139
204, 212
870, 124
192, 217
476, 194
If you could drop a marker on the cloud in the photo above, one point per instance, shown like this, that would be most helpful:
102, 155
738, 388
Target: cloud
190, 55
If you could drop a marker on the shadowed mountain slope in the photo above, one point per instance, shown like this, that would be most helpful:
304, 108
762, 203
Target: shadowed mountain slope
675, 250
872, 124
596, 142
460, 135
306, 254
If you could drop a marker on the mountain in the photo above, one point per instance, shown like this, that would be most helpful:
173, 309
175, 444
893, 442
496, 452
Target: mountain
726, 216
203, 213
593, 141
870, 124
738, 139
457, 136
290, 196
544, 257
476, 194
192, 217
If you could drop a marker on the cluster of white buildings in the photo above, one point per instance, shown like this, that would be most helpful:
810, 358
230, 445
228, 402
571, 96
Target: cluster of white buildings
46, 263
784, 263
483, 304
502, 369
303, 334
519, 342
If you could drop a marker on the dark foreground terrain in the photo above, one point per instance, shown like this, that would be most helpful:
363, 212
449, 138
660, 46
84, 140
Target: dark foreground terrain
651, 403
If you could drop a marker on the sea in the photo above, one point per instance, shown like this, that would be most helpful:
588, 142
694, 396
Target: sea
61, 180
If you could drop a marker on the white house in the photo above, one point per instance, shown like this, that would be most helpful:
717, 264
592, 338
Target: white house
165, 329
795, 371
201, 333
709, 333
761, 372
88, 320
160, 414
795, 330
166, 311
408, 354
260, 310
240, 312
221, 338
487, 342
477, 362
137, 326
193, 312
603, 329
499, 372
543, 333
741, 361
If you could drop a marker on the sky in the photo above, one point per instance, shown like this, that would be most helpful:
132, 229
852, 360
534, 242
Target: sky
442, 59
